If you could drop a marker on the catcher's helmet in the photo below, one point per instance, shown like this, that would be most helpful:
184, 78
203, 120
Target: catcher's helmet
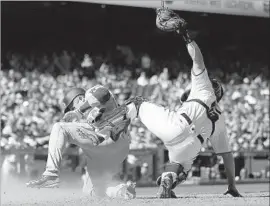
217, 89
70, 96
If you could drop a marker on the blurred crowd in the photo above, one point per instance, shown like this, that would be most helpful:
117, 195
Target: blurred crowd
33, 86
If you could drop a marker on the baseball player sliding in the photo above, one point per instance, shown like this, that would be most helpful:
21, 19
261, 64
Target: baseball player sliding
94, 122
184, 131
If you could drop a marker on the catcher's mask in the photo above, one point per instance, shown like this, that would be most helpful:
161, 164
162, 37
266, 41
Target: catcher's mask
217, 89
70, 96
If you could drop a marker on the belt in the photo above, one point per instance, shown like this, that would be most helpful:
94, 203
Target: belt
190, 122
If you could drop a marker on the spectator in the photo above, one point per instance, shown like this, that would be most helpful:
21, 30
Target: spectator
34, 96
142, 80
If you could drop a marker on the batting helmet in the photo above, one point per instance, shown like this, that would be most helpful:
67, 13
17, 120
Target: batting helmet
70, 96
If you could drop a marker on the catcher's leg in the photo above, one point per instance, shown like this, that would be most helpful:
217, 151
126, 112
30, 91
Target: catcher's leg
172, 176
162, 122
181, 158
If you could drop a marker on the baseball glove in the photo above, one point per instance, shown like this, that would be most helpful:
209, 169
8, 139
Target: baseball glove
168, 21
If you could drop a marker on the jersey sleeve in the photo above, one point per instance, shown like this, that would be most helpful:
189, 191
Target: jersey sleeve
201, 86
220, 140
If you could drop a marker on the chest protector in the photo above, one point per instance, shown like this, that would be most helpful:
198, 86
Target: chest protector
212, 112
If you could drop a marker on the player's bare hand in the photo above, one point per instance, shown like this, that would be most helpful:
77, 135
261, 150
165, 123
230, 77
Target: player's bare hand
233, 192
71, 116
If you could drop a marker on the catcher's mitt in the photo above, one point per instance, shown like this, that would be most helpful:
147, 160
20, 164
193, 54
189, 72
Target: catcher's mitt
167, 20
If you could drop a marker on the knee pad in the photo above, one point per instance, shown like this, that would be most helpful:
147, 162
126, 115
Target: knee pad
176, 168
175, 183
182, 177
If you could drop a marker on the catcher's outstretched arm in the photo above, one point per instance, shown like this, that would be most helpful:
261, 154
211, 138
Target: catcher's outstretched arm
197, 58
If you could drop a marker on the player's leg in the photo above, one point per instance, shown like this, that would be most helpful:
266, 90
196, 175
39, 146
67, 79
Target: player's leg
87, 183
167, 126
162, 122
80, 134
181, 157
103, 162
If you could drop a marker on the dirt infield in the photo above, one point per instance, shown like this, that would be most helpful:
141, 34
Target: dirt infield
254, 194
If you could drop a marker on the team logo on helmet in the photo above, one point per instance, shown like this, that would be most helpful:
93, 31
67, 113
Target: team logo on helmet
95, 88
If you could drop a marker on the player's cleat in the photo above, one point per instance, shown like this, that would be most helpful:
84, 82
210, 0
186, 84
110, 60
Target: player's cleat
44, 182
233, 192
131, 192
126, 191
165, 188
173, 194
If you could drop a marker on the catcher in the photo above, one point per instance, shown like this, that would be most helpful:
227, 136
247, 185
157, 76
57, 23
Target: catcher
184, 131
94, 122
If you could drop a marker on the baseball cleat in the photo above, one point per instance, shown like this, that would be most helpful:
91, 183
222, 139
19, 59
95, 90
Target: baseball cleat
126, 191
44, 182
131, 192
165, 188
173, 194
